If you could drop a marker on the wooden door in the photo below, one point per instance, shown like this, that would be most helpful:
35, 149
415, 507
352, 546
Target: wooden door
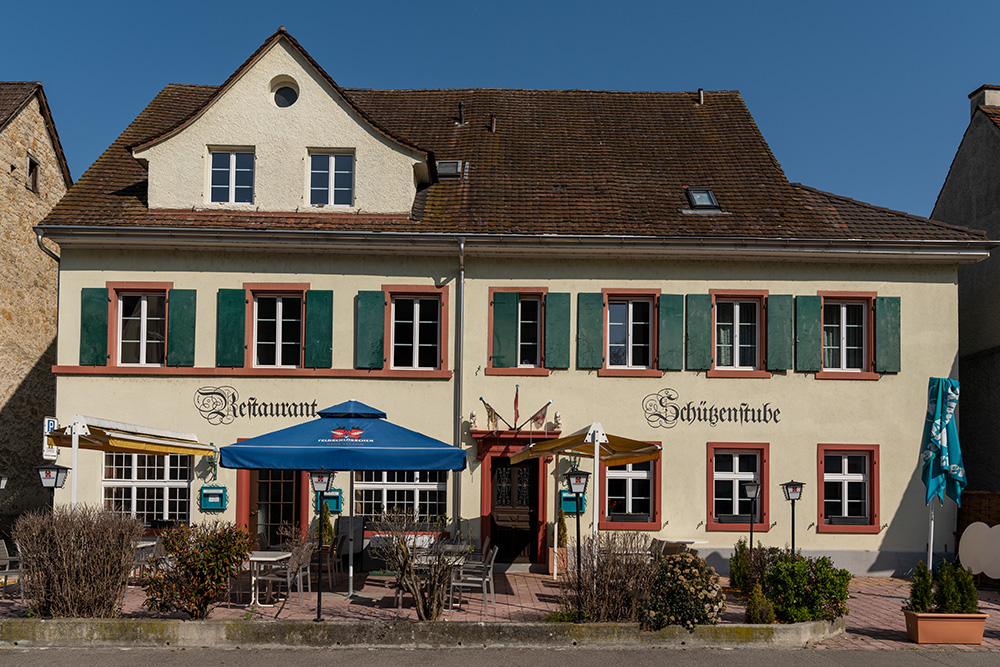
514, 510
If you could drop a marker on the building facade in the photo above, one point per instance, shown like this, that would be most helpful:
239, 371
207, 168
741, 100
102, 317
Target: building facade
33, 177
247, 254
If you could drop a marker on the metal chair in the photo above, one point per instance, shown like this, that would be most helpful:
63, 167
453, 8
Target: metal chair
9, 566
475, 576
297, 568
334, 558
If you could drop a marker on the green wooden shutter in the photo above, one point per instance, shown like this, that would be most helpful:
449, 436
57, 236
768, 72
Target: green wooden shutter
505, 329
319, 329
779, 332
369, 336
230, 328
181, 306
670, 340
887, 336
556, 330
808, 333
590, 330
699, 332
94, 326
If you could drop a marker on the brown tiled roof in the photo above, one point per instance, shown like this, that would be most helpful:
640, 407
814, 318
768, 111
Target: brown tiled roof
559, 162
993, 113
14, 96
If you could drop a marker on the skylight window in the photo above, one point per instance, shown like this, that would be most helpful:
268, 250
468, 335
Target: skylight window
449, 168
702, 198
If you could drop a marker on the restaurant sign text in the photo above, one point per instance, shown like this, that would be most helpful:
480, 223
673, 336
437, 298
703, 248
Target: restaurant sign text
665, 409
222, 405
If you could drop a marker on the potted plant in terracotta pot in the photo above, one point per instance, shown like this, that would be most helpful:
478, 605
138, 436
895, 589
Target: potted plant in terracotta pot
944, 609
558, 560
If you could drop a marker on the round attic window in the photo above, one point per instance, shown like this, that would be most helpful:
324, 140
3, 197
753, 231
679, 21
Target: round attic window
284, 91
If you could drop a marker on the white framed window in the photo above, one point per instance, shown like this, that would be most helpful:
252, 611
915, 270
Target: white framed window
277, 330
142, 328
421, 493
737, 334
846, 487
630, 491
416, 333
630, 333
232, 177
331, 179
151, 488
529, 332
845, 326
731, 469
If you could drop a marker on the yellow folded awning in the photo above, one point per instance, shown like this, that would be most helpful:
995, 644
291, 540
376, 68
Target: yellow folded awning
111, 436
613, 450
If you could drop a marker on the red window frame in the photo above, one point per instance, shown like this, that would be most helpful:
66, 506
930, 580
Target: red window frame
760, 297
115, 289
763, 499
270, 289
604, 523
417, 292
869, 300
531, 292
632, 294
873, 526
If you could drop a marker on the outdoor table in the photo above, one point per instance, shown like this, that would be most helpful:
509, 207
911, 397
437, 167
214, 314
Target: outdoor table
258, 561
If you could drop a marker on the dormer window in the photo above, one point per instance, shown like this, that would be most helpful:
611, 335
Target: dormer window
702, 198
232, 177
449, 168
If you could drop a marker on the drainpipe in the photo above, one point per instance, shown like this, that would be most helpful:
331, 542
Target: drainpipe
38, 240
459, 370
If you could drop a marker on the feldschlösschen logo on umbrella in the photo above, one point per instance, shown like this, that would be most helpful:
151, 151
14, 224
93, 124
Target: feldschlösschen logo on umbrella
352, 433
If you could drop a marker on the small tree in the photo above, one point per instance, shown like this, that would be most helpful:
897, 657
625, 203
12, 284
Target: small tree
326, 531
920, 591
422, 571
615, 574
562, 536
195, 574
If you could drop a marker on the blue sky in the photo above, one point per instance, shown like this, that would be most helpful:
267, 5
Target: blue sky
865, 99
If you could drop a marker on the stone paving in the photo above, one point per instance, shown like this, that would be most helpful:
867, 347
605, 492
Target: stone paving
875, 620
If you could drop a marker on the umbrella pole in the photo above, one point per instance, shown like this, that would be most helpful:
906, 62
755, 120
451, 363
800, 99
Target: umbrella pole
555, 518
930, 536
350, 542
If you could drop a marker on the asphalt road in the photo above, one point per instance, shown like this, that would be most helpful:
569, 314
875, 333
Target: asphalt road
166, 657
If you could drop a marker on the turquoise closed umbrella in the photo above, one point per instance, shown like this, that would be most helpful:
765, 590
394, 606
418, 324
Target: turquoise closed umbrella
943, 472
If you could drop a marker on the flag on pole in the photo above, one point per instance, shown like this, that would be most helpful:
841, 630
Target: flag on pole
516, 417
537, 420
493, 417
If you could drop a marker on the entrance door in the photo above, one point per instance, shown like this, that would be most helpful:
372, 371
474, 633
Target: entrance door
276, 506
515, 510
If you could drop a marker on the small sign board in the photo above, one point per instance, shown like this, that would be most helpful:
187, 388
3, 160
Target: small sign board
49, 453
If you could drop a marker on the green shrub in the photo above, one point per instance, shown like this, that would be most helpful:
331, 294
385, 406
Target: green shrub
76, 563
562, 535
759, 608
200, 562
747, 567
326, 532
738, 566
955, 591
685, 591
921, 595
807, 589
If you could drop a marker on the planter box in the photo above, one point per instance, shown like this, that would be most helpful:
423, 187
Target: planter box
559, 553
945, 628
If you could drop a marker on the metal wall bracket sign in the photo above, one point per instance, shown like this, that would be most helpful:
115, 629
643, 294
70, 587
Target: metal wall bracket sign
665, 409
49, 452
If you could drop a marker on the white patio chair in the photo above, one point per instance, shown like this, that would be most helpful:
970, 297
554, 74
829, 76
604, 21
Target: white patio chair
475, 576
298, 569
334, 558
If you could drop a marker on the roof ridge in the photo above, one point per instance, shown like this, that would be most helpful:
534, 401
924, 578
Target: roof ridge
542, 90
885, 209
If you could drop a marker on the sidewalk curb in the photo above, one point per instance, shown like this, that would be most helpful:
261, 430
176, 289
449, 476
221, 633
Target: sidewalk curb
231, 633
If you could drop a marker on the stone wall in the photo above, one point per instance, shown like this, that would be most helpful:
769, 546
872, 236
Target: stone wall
28, 285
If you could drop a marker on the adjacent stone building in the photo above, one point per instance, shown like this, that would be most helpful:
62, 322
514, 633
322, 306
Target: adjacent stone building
33, 178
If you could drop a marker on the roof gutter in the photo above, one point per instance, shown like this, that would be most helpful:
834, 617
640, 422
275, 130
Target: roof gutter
748, 248
38, 240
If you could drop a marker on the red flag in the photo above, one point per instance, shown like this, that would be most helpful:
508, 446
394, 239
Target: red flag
516, 387
538, 419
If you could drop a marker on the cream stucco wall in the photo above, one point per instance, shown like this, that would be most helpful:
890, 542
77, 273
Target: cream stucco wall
245, 116
888, 412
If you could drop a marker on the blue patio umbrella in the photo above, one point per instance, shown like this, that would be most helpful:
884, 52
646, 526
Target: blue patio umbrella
349, 436
943, 472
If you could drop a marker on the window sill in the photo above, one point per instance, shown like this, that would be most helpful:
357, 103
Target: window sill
847, 375
540, 372
868, 529
604, 524
735, 373
715, 526
189, 371
629, 372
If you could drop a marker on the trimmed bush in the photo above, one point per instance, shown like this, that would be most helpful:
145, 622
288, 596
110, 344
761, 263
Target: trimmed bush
195, 574
685, 591
76, 563
955, 592
748, 568
921, 593
759, 608
807, 589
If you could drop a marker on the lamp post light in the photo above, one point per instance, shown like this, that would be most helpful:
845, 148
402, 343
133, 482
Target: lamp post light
793, 491
577, 480
752, 490
52, 477
320, 480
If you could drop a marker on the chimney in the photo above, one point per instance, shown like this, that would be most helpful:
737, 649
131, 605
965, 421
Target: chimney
984, 96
